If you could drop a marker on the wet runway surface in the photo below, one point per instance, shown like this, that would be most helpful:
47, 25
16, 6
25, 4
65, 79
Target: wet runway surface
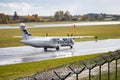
13, 55
65, 25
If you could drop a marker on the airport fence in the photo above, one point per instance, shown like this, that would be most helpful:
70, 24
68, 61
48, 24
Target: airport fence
74, 70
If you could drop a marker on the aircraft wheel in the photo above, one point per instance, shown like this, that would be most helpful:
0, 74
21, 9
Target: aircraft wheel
57, 48
71, 47
45, 49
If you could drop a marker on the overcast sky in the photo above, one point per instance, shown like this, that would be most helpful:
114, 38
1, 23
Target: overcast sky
49, 7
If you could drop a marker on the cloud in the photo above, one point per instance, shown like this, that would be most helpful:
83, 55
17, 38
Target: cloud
47, 8
98, 6
15, 5
11, 7
25, 8
21, 8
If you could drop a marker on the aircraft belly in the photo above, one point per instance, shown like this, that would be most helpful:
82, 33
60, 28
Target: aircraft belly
67, 44
46, 45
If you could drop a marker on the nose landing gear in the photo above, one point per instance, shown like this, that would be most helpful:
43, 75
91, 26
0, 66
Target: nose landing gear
71, 47
45, 48
57, 48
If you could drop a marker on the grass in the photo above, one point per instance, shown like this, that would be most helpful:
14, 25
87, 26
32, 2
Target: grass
103, 32
19, 70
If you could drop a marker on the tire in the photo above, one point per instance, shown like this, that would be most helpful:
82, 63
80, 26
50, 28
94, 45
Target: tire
45, 49
57, 48
71, 47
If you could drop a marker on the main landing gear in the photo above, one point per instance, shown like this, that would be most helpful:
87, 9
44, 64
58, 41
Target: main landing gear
57, 48
45, 49
71, 47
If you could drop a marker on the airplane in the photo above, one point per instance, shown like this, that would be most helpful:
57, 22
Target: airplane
47, 41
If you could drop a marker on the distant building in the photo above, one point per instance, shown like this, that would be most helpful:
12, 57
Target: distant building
110, 18
93, 16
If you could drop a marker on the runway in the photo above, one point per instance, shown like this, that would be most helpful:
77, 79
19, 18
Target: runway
65, 25
13, 55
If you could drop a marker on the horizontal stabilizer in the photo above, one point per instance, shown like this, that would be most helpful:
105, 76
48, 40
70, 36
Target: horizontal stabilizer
17, 36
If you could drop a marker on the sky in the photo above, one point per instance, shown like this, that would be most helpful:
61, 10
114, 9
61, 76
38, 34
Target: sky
49, 7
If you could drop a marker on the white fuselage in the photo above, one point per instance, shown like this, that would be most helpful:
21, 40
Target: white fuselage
48, 42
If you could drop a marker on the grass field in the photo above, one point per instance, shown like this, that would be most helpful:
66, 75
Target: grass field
19, 70
103, 32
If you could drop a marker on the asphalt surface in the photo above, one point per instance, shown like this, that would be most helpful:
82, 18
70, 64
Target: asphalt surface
13, 55
65, 25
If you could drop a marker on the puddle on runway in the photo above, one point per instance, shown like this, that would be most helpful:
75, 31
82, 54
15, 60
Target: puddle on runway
13, 55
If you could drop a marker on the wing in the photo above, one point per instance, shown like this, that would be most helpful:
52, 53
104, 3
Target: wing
57, 37
17, 36
72, 37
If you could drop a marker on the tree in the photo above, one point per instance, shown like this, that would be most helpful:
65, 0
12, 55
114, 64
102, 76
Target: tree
35, 17
15, 17
59, 15
0, 19
30, 18
4, 19
40, 18
84, 18
7, 19
67, 16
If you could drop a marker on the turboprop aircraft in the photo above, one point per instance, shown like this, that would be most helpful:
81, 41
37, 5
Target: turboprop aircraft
47, 41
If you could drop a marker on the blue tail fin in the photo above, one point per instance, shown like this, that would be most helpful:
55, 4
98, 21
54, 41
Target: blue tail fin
25, 33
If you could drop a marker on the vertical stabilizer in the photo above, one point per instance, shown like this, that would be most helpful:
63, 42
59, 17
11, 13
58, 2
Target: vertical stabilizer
25, 33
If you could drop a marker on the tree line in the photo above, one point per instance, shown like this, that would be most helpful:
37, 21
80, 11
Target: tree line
58, 16
6, 19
